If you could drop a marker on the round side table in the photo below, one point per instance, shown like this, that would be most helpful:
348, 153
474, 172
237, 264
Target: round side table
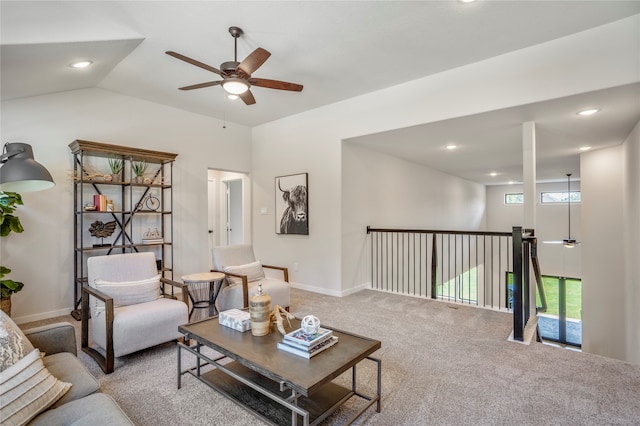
203, 292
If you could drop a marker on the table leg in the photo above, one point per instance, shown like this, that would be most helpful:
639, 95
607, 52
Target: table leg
198, 346
217, 285
179, 366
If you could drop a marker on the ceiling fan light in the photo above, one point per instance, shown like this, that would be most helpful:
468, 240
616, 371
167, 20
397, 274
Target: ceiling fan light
235, 86
232, 96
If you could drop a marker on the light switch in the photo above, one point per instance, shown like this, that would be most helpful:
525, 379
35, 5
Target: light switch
263, 210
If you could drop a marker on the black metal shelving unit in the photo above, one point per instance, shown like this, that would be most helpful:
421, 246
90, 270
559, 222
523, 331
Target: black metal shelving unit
132, 214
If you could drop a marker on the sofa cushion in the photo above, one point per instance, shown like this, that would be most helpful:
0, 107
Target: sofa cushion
127, 293
95, 409
27, 389
253, 271
66, 367
13, 343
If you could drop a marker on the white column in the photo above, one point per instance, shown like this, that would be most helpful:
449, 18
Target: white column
529, 173
529, 190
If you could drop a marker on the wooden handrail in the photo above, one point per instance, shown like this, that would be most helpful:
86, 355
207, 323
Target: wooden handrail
438, 231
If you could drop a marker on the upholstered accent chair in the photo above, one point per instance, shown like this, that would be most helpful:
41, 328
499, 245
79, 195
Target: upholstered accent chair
128, 310
243, 273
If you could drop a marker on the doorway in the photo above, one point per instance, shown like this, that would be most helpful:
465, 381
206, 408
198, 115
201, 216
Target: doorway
233, 219
229, 208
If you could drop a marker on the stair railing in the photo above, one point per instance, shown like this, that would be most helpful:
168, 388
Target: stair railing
471, 267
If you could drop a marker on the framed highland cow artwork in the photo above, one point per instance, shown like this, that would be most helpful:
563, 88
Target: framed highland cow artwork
292, 204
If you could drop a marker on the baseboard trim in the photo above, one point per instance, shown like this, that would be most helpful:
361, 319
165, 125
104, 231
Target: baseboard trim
42, 316
326, 292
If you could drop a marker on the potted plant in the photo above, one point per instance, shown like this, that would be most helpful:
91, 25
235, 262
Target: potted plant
8, 223
139, 167
116, 165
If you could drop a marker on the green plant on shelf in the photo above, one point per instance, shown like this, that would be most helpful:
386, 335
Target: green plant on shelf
139, 167
116, 165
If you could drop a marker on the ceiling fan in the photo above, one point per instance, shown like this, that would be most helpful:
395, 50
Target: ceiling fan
236, 76
567, 242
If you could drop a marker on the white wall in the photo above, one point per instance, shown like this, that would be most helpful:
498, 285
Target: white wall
42, 256
631, 217
551, 225
386, 192
312, 141
603, 285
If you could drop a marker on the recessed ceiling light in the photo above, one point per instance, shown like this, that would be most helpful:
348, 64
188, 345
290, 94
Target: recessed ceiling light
80, 64
585, 148
587, 112
451, 146
493, 174
467, 1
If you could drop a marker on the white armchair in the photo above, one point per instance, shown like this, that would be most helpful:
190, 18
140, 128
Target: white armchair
128, 311
243, 273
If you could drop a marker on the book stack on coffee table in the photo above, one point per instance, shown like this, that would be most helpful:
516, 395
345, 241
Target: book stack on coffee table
307, 345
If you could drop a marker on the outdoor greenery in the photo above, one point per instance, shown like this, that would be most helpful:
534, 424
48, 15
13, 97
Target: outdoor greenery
9, 223
573, 298
464, 288
466, 285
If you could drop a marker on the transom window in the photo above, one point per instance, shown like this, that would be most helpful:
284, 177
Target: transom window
559, 197
514, 198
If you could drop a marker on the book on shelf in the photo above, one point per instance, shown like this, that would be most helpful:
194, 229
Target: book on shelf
308, 339
310, 352
100, 201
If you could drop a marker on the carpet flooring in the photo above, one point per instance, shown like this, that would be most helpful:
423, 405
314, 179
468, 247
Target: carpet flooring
442, 364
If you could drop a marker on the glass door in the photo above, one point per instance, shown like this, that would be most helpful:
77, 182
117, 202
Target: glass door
562, 321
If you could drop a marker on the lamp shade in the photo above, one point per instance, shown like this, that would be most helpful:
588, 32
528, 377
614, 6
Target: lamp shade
20, 172
235, 86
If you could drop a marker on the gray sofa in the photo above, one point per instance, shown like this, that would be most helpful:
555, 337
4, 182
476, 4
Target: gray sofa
82, 404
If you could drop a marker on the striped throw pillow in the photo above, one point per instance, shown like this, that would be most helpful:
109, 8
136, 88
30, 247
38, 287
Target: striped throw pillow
27, 389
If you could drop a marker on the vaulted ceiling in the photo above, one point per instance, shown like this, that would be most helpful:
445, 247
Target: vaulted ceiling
336, 49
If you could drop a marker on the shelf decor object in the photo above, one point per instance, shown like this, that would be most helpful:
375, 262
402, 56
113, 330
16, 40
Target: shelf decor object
101, 230
116, 165
139, 167
127, 205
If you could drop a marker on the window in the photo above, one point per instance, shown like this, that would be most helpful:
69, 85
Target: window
516, 198
561, 321
559, 197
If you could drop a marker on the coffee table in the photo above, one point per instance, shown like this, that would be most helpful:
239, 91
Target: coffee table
279, 387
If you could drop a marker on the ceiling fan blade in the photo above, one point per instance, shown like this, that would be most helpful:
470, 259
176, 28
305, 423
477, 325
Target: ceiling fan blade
568, 242
201, 85
254, 61
196, 63
247, 97
275, 84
